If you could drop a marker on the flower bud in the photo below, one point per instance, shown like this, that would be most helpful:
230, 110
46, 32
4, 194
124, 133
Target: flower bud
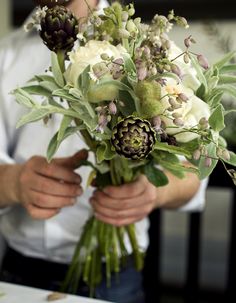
203, 123
112, 108
178, 122
131, 11
226, 155
187, 42
182, 22
123, 33
176, 70
131, 27
142, 73
105, 57
183, 97
207, 162
156, 122
197, 154
176, 115
203, 61
125, 16
186, 58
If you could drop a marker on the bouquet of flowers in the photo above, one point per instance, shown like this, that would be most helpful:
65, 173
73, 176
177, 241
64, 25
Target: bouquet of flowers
138, 101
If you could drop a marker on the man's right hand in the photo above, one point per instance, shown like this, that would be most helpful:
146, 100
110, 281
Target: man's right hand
44, 188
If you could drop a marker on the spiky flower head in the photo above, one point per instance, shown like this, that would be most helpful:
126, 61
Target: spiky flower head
133, 138
59, 29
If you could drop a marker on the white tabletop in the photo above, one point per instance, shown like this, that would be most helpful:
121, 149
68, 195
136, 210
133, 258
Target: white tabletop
10, 293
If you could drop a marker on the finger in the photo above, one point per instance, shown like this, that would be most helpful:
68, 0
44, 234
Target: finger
135, 211
118, 221
117, 204
132, 189
56, 171
52, 187
73, 161
41, 213
48, 201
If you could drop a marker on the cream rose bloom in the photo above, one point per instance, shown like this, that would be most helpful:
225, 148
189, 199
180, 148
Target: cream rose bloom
189, 74
190, 111
90, 54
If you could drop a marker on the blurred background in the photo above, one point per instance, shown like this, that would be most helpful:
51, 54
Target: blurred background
193, 250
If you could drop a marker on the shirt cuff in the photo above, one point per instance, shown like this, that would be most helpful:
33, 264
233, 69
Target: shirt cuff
197, 203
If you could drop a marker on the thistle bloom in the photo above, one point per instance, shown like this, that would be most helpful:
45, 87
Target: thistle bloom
133, 138
59, 29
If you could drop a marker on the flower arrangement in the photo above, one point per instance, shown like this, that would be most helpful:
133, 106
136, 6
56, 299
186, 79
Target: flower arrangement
139, 103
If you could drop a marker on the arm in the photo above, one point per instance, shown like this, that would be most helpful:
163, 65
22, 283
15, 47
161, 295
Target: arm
42, 188
129, 203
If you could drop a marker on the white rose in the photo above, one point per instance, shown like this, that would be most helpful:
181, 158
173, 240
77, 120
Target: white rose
190, 111
90, 54
189, 74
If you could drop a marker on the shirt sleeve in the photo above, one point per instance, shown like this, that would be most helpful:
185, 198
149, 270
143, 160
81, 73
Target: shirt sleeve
197, 203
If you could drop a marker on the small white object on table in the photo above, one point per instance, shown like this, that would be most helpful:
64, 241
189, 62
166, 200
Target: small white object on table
11, 293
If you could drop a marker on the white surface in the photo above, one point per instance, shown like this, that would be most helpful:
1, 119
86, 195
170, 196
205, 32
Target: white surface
10, 293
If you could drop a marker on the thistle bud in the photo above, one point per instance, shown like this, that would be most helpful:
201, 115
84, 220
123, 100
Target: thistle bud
203, 61
59, 29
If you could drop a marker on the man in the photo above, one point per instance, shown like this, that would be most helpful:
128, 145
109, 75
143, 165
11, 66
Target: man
43, 206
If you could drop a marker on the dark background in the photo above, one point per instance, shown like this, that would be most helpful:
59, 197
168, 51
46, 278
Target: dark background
190, 9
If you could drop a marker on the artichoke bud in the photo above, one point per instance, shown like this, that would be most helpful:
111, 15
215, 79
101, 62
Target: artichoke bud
149, 94
59, 29
133, 138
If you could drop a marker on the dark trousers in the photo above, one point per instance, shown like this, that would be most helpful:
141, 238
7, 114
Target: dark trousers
39, 273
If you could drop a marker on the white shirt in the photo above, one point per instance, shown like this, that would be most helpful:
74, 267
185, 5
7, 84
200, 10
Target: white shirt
23, 55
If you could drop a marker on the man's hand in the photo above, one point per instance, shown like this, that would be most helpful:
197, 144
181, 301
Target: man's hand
125, 204
44, 188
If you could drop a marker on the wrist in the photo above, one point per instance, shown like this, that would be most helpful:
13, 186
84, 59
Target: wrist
10, 186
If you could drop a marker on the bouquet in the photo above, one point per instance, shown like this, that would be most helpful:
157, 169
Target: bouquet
139, 102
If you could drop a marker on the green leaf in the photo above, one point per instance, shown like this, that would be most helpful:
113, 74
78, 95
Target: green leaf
55, 143
155, 175
215, 97
34, 115
130, 68
201, 91
231, 68
104, 152
205, 171
50, 86
66, 121
56, 70
64, 94
172, 149
216, 119
199, 71
24, 98
84, 80
36, 90
220, 64
225, 79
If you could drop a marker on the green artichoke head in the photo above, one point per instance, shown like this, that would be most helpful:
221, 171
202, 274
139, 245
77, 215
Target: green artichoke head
133, 138
59, 29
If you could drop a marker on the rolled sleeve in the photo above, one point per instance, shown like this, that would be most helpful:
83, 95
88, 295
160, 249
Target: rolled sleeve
197, 203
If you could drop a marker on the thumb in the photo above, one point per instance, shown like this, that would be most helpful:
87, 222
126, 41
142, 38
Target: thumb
73, 161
